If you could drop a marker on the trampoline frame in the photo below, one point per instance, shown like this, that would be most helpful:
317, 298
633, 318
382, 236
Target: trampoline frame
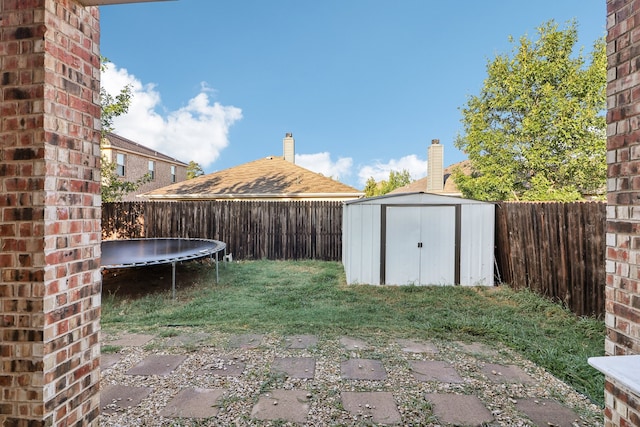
215, 248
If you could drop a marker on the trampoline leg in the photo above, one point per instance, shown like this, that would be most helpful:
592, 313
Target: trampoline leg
173, 279
217, 278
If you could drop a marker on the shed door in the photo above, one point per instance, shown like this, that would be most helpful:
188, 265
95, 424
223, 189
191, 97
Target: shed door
420, 245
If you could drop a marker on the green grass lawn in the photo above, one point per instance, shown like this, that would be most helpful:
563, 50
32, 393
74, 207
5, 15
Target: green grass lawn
313, 297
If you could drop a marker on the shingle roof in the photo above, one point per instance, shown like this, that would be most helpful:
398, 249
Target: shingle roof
271, 177
420, 185
117, 141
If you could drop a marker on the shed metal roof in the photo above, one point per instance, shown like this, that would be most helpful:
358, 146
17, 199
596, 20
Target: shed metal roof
419, 197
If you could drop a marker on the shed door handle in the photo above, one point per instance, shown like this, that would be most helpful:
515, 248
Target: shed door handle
419, 244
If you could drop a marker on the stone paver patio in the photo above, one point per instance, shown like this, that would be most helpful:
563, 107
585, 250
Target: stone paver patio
367, 403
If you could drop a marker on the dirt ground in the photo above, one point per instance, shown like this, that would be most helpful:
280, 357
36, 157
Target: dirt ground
136, 282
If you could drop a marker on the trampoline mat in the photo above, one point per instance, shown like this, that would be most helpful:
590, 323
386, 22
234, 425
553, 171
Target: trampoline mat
138, 252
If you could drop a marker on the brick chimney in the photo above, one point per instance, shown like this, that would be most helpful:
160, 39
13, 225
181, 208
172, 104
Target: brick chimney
288, 148
435, 171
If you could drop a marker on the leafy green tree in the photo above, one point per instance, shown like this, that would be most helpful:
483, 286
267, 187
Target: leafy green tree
396, 180
537, 130
194, 169
112, 106
371, 187
114, 188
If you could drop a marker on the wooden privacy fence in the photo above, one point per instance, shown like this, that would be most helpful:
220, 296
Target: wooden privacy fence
251, 230
555, 249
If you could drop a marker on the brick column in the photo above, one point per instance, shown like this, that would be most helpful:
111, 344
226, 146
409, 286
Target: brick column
49, 213
623, 210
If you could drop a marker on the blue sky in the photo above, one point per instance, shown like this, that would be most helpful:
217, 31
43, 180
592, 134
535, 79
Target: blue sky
363, 85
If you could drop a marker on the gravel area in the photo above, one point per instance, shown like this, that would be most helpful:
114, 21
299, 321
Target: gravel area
211, 351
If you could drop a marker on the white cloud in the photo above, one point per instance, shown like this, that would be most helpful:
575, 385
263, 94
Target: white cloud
322, 163
380, 171
341, 169
198, 131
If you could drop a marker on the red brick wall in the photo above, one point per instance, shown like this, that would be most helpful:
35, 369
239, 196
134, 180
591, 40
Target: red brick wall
623, 210
622, 407
623, 129
49, 213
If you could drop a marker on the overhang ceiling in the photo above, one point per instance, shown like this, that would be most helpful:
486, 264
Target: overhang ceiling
107, 2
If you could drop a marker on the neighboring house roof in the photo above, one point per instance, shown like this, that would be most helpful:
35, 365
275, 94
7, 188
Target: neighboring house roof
271, 178
118, 142
420, 185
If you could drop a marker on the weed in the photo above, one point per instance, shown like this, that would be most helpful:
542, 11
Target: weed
272, 381
106, 349
168, 333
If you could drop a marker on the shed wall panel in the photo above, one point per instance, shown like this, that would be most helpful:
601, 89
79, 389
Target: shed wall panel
361, 247
346, 242
477, 245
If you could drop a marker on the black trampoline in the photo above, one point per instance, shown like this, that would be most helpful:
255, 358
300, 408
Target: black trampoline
143, 252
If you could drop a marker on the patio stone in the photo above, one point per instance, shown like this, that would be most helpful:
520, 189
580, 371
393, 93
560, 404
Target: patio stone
109, 359
162, 364
117, 398
131, 340
544, 412
410, 346
477, 348
295, 367
435, 370
378, 407
223, 367
363, 369
301, 341
506, 374
459, 410
194, 403
354, 344
287, 405
186, 340
245, 341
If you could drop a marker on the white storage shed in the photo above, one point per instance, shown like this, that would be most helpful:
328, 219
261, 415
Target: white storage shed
418, 238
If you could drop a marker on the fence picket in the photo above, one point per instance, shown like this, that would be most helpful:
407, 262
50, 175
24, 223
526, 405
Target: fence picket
567, 259
555, 249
